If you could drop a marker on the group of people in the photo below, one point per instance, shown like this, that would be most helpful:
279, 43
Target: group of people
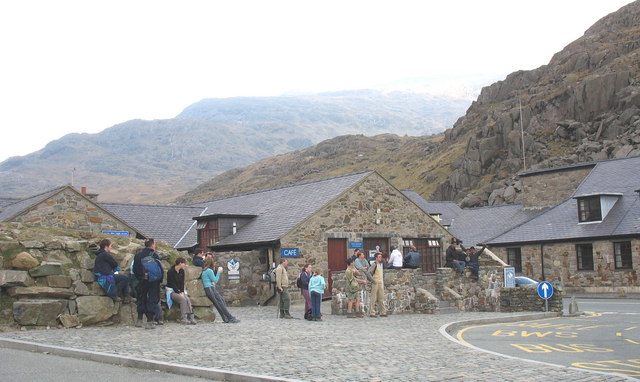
311, 283
460, 259
147, 276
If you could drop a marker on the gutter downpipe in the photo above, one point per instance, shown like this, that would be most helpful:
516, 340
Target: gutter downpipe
542, 260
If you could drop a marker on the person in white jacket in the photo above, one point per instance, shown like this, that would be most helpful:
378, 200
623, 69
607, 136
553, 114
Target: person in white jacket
395, 259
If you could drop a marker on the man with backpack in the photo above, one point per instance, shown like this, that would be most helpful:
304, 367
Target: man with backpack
148, 271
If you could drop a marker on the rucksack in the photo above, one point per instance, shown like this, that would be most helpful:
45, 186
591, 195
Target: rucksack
152, 268
299, 282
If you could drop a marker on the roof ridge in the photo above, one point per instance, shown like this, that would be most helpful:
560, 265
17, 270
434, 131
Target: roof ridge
145, 205
285, 186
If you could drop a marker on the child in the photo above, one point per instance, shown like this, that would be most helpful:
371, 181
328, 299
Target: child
316, 289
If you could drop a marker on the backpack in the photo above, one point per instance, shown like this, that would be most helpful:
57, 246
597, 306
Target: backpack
152, 268
298, 281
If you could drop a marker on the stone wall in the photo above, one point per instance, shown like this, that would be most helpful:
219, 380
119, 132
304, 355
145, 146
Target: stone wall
561, 264
550, 188
526, 299
249, 289
411, 291
50, 282
70, 210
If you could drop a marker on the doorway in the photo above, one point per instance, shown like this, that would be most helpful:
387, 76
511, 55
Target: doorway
337, 259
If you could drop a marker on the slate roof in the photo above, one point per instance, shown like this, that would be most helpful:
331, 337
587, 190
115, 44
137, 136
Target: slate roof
167, 223
475, 225
560, 223
277, 210
9, 211
448, 211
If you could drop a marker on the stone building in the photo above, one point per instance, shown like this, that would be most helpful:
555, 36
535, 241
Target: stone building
319, 223
577, 225
65, 207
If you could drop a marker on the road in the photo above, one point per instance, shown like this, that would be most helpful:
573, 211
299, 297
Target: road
46, 367
606, 338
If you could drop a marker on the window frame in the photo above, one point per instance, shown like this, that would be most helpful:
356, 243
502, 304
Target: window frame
517, 262
619, 257
589, 209
580, 257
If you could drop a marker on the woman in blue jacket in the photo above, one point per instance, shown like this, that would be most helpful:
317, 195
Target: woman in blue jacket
209, 281
316, 289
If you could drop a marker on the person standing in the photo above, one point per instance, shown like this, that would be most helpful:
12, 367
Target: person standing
377, 288
353, 289
176, 293
106, 270
282, 285
317, 285
305, 277
209, 281
148, 289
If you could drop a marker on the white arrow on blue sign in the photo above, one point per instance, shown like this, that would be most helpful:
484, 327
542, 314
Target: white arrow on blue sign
545, 290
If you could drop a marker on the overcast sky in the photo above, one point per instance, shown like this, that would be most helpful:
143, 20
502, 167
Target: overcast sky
83, 66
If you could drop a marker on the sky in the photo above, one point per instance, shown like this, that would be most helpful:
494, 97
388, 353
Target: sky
84, 66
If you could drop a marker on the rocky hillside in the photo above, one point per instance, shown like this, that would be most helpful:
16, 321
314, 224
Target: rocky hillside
583, 106
156, 161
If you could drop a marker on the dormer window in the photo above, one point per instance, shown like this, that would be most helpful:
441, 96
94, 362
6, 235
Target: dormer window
589, 209
594, 208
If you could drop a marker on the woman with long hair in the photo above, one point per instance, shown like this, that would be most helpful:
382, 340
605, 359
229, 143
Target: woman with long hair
176, 292
209, 281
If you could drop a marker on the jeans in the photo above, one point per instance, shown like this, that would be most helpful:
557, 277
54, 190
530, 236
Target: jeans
475, 268
316, 300
218, 303
458, 266
148, 299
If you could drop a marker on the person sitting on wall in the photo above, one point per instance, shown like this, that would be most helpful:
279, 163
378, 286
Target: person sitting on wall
198, 260
176, 292
412, 260
472, 260
395, 259
106, 270
452, 260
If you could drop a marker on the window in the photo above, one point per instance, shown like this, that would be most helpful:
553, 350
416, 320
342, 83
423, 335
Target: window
589, 209
207, 233
429, 250
514, 258
585, 257
374, 244
622, 254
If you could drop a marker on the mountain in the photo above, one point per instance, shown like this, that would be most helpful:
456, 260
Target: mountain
156, 161
582, 106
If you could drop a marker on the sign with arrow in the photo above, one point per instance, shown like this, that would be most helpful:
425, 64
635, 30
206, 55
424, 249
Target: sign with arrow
545, 290
509, 277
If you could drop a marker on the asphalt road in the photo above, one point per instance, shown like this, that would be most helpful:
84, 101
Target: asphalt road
606, 338
20, 365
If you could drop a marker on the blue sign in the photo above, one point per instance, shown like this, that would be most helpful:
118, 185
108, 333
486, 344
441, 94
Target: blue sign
290, 252
117, 233
545, 290
510, 277
356, 244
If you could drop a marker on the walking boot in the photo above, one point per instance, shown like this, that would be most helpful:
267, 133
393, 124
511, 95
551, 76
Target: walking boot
350, 314
184, 319
150, 325
287, 315
282, 314
139, 323
192, 319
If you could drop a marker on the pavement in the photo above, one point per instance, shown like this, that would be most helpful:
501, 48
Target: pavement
408, 347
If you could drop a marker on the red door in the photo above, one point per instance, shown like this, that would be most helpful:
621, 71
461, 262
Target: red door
337, 259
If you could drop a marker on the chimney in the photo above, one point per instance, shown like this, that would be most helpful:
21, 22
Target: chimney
92, 197
83, 190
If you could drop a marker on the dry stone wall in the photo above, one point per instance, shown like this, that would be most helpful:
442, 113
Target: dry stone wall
49, 281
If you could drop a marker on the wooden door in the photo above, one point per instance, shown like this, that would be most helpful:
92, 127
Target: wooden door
337, 260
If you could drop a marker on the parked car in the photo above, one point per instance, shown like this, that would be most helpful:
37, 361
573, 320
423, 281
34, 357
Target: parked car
521, 281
